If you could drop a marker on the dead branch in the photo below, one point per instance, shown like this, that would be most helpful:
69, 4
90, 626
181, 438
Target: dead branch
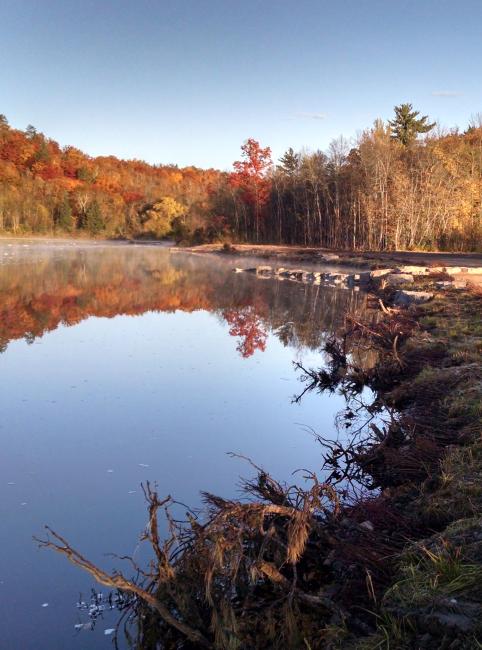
118, 581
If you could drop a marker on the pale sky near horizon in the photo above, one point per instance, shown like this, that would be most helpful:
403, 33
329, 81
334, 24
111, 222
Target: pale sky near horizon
186, 82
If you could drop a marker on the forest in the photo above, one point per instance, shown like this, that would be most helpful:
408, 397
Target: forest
403, 184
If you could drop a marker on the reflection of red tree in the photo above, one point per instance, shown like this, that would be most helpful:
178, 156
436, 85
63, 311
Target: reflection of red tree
246, 324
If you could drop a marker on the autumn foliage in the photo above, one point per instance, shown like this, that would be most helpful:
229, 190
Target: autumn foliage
246, 324
250, 177
400, 185
69, 287
45, 188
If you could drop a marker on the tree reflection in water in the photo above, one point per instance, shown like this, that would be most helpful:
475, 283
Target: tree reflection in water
246, 324
51, 287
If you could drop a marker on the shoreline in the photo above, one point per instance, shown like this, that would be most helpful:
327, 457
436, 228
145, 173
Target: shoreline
441, 403
368, 259
400, 566
462, 269
290, 252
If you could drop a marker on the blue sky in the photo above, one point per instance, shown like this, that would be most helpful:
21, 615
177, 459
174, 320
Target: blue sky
187, 82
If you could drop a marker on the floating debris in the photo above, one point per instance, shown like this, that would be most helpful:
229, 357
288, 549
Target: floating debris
83, 626
143, 465
100, 603
45, 604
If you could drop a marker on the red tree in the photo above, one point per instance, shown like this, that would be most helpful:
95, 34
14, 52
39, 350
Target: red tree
250, 176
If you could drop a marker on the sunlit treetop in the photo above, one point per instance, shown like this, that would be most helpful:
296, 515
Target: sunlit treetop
407, 126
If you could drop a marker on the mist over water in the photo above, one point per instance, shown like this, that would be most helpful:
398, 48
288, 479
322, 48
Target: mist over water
122, 364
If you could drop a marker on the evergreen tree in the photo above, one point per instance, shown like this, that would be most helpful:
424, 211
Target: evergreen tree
31, 131
290, 162
406, 126
63, 215
94, 220
42, 154
85, 174
4, 127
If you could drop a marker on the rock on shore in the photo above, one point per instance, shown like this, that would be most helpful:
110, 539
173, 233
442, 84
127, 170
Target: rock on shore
390, 277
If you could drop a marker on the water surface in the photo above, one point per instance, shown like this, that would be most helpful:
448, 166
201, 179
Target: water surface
122, 364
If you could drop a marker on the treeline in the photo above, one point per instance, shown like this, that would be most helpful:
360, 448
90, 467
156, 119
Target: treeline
45, 188
382, 194
391, 190
401, 185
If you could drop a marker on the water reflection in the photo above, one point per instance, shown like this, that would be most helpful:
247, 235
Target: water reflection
246, 324
42, 289
123, 364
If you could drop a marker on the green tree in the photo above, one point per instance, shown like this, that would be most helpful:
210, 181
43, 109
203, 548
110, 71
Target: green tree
42, 154
290, 162
63, 215
31, 131
4, 127
94, 221
407, 126
85, 174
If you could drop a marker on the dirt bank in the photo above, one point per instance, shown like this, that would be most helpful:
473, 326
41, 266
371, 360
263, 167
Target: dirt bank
366, 259
295, 252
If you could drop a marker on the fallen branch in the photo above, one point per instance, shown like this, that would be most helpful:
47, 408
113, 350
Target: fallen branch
118, 581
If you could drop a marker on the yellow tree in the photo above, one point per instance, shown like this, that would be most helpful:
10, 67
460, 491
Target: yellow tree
158, 218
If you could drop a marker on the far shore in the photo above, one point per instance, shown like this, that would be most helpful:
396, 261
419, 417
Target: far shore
366, 258
291, 253
84, 240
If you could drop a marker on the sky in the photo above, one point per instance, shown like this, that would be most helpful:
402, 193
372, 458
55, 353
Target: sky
188, 81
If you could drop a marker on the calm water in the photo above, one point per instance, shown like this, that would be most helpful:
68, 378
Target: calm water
124, 363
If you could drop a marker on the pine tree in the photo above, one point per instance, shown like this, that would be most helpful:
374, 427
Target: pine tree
63, 216
42, 154
290, 162
31, 131
94, 220
406, 126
